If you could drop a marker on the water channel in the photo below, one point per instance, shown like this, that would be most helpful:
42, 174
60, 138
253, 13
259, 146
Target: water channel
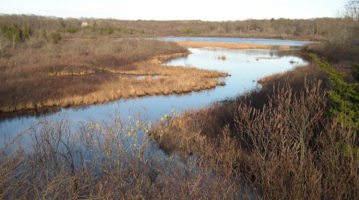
245, 67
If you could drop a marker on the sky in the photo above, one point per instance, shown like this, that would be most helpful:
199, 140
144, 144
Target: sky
208, 10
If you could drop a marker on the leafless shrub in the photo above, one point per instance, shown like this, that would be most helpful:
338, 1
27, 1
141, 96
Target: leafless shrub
112, 160
315, 29
280, 143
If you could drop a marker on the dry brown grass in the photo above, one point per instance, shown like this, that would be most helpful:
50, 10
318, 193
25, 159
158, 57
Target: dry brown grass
310, 71
197, 44
269, 78
279, 140
285, 148
84, 72
105, 161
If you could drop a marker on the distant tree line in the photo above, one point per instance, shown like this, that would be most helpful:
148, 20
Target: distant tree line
15, 33
314, 29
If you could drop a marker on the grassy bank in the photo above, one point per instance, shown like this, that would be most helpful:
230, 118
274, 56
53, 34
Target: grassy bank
38, 74
280, 139
113, 160
279, 142
230, 45
275, 143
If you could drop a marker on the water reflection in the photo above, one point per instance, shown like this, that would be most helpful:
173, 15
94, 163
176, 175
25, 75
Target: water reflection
239, 40
243, 65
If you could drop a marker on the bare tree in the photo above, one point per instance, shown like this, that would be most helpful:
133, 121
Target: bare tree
351, 9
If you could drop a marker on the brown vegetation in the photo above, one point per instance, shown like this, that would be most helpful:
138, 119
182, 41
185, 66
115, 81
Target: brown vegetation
313, 29
104, 161
279, 140
269, 78
274, 143
335, 51
39, 74
196, 44
343, 47
310, 72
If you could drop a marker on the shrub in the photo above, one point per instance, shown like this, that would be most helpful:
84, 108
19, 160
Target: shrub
344, 97
189, 31
55, 37
113, 160
282, 142
15, 33
71, 30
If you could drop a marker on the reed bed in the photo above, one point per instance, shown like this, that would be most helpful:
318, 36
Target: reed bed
283, 146
197, 44
280, 140
83, 72
112, 160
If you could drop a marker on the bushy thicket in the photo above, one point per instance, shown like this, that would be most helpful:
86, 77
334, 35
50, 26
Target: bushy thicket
316, 29
287, 141
15, 32
344, 97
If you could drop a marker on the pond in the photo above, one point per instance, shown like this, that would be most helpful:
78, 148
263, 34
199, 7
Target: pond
273, 42
245, 67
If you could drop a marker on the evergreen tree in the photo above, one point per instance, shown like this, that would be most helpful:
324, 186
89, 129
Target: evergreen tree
344, 97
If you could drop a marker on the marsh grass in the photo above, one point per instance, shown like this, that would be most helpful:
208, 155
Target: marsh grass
196, 44
110, 160
278, 140
84, 72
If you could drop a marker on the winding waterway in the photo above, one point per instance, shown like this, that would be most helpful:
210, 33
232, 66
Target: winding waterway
245, 67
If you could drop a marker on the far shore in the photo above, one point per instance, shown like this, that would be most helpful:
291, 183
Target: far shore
169, 80
196, 44
105, 76
78, 73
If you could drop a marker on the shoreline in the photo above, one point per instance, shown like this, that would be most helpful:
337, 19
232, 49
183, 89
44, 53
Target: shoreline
130, 87
208, 80
196, 44
188, 127
245, 36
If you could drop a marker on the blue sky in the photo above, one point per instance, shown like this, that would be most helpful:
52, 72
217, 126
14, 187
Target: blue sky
210, 10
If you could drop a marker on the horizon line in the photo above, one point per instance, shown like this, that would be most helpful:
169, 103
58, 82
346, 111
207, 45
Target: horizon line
110, 18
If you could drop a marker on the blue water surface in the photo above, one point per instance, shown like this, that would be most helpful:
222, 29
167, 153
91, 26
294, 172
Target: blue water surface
273, 42
245, 67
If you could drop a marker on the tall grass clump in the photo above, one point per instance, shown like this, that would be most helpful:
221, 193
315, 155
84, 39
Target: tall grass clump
292, 149
287, 146
110, 160
47, 70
